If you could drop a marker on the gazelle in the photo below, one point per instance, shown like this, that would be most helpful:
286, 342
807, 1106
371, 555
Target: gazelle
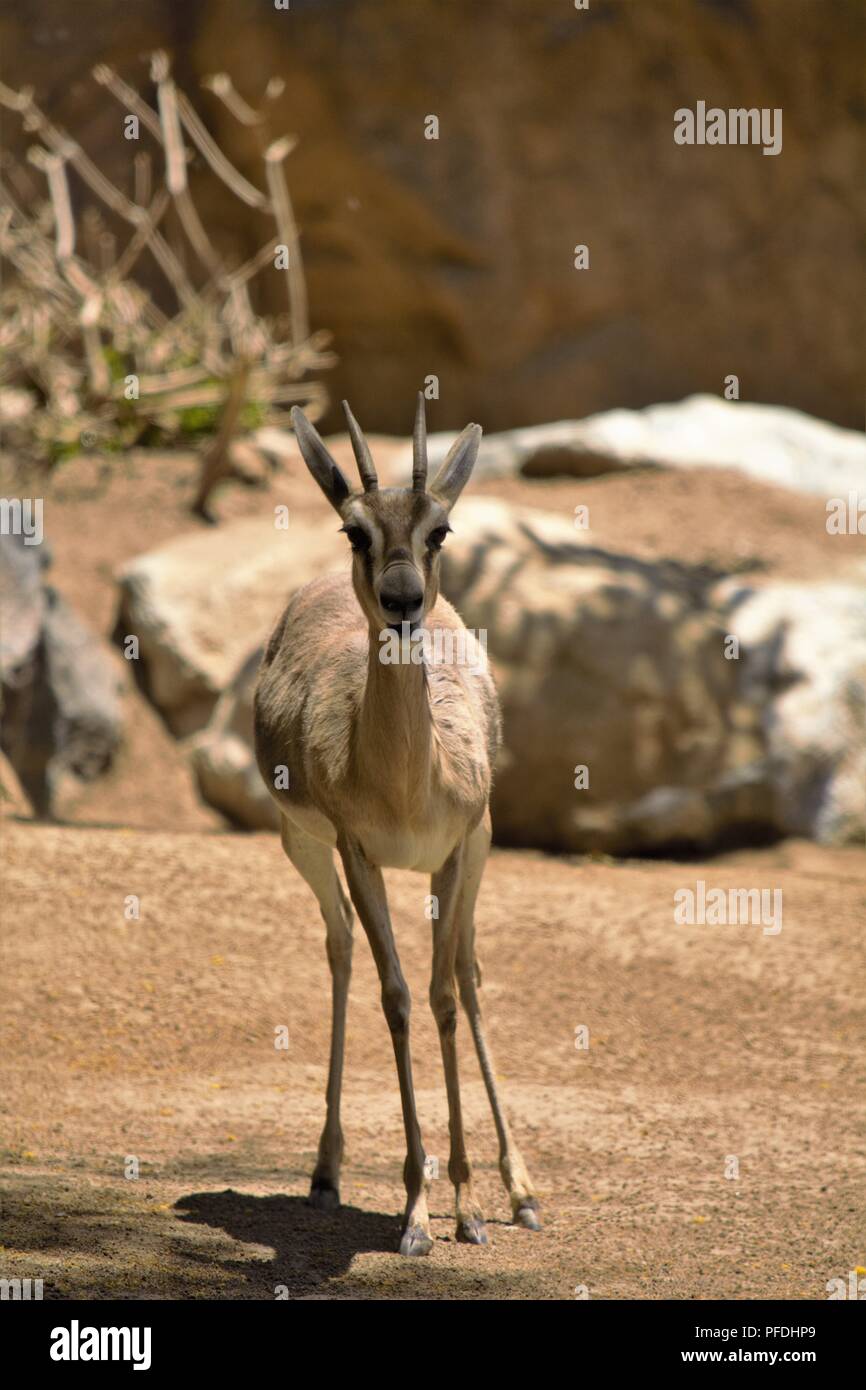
389, 763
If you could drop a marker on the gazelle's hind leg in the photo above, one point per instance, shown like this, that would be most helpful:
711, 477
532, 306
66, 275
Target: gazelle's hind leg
314, 861
524, 1204
447, 885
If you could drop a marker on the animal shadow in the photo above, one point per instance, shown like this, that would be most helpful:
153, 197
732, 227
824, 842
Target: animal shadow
311, 1247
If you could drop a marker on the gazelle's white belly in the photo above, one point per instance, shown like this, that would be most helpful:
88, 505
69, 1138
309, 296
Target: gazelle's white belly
407, 849
422, 848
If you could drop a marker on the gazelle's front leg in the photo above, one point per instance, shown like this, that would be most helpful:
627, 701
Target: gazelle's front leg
315, 862
367, 888
446, 886
524, 1204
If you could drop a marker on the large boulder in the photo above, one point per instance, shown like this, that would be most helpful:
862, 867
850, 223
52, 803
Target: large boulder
704, 710
646, 703
813, 701
222, 755
61, 710
22, 601
198, 603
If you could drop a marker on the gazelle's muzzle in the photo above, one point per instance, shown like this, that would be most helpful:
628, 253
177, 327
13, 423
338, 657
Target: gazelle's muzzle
401, 595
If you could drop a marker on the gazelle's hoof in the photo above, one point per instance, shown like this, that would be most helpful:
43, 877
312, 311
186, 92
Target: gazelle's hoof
527, 1216
416, 1241
324, 1197
472, 1231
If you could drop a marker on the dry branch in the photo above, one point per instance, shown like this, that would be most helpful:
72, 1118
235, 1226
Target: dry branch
100, 357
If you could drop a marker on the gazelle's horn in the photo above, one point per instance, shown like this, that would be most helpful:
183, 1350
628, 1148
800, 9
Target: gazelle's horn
363, 458
419, 448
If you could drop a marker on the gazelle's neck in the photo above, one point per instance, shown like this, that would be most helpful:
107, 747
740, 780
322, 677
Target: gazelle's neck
395, 726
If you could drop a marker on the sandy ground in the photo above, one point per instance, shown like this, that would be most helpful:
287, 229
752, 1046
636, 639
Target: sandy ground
154, 1039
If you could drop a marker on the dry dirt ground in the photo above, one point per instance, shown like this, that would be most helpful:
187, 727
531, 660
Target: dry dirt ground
154, 1040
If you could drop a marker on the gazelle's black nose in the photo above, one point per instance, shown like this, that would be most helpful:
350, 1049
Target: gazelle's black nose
401, 596
400, 608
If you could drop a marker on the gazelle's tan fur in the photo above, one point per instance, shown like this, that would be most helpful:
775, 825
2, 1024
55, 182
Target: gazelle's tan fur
389, 763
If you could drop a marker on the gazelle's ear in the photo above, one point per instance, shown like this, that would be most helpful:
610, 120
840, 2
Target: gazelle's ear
320, 463
459, 463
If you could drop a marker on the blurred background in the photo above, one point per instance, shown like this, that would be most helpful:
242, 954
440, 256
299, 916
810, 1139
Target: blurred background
660, 340
455, 255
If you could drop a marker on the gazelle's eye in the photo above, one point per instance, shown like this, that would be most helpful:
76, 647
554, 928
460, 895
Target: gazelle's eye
435, 539
358, 538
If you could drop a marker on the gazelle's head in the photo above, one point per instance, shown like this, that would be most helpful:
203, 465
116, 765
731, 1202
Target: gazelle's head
396, 534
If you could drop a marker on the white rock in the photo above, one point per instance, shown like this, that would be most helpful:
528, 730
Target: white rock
815, 714
769, 443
